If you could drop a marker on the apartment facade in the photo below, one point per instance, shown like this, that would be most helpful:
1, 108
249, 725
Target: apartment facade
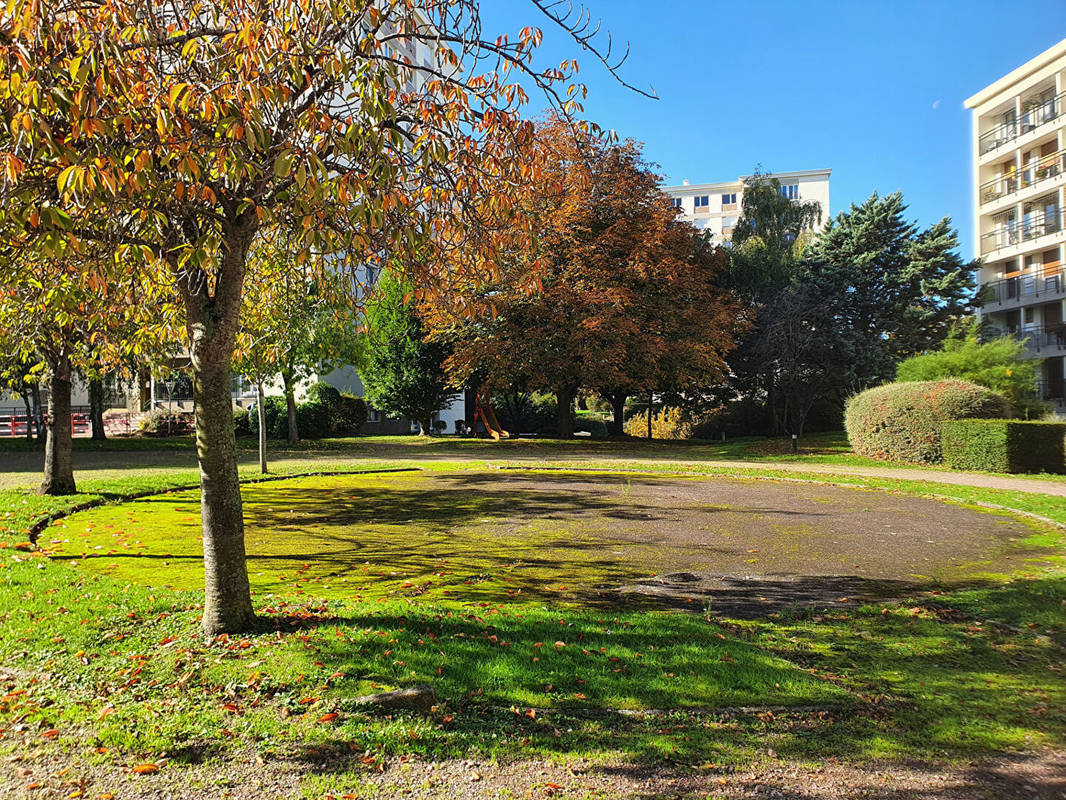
1019, 169
716, 207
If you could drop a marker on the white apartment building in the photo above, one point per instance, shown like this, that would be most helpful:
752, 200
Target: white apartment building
716, 206
1019, 158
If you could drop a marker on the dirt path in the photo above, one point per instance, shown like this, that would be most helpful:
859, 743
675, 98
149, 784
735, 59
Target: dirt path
54, 774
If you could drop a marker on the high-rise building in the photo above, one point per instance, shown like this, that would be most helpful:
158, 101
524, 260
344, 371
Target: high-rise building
716, 206
1019, 158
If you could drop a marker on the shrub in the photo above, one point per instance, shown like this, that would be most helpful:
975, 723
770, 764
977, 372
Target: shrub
313, 420
277, 418
325, 394
162, 422
998, 364
901, 421
1003, 445
670, 423
348, 416
592, 423
242, 426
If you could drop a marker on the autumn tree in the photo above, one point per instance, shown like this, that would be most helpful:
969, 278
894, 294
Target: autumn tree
175, 132
297, 319
615, 293
401, 368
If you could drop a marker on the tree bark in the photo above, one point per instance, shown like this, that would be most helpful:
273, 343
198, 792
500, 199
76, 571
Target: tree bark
59, 440
424, 427
227, 596
38, 414
651, 411
618, 404
96, 409
29, 413
290, 403
211, 322
564, 400
260, 410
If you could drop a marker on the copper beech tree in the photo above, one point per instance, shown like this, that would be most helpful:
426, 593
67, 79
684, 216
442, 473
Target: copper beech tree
614, 293
175, 131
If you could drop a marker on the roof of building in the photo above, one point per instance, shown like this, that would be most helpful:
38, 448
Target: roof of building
781, 176
1017, 75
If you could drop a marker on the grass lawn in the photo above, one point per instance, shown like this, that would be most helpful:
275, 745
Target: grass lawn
107, 664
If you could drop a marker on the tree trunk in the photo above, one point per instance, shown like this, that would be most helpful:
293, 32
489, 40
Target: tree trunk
29, 413
38, 414
564, 399
96, 409
260, 410
618, 403
424, 427
144, 389
290, 403
227, 596
651, 411
59, 441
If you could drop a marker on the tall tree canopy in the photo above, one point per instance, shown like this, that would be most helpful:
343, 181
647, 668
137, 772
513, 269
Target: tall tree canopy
176, 131
614, 294
402, 371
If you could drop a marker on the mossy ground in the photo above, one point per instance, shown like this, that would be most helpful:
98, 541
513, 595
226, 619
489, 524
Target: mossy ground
107, 663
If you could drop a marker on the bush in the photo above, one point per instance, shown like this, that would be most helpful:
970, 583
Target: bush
327, 395
901, 421
242, 426
161, 422
313, 420
348, 416
590, 422
670, 423
1003, 445
277, 418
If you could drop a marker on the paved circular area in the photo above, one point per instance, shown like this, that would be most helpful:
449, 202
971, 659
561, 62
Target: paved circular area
740, 545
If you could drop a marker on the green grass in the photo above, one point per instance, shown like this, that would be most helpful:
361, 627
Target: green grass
120, 666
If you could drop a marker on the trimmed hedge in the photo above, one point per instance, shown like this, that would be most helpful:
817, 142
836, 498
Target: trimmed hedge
1004, 445
901, 421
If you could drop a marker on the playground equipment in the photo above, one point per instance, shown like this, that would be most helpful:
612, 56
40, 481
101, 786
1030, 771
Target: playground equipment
484, 414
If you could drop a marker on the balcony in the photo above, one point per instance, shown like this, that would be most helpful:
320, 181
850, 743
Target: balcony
1051, 390
1007, 132
1010, 233
1048, 167
1023, 289
1039, 339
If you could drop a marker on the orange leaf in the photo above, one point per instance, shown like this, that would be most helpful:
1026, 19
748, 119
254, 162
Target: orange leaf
328, 717
144, 769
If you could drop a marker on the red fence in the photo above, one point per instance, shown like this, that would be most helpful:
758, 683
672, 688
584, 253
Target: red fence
14, 422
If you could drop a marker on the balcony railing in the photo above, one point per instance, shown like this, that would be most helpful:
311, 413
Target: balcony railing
1051, 390
1038, 338
1031, 119
1011, 233
1049, 166
1023, 288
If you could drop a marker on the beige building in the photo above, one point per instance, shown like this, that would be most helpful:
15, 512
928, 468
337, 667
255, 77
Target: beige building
716, 206
1019, 144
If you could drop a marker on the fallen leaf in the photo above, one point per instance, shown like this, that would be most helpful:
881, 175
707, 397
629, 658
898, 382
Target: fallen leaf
144, 769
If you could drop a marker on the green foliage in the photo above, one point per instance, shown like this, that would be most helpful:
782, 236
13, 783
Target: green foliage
323, 393
161, 422
894, 290
314, 420
997, 364
347, 414
670, 423
1001, 445
402, 371
242, 425
901, 421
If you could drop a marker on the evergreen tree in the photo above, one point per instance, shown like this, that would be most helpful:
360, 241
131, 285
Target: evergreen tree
402, 372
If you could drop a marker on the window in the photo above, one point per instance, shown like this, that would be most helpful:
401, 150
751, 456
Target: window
676, 202
703, 201
729, 199
790, 191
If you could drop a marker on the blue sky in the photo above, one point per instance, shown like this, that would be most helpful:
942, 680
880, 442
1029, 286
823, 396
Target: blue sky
871, 88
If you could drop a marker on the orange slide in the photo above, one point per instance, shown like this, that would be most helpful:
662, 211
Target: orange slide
484, 414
